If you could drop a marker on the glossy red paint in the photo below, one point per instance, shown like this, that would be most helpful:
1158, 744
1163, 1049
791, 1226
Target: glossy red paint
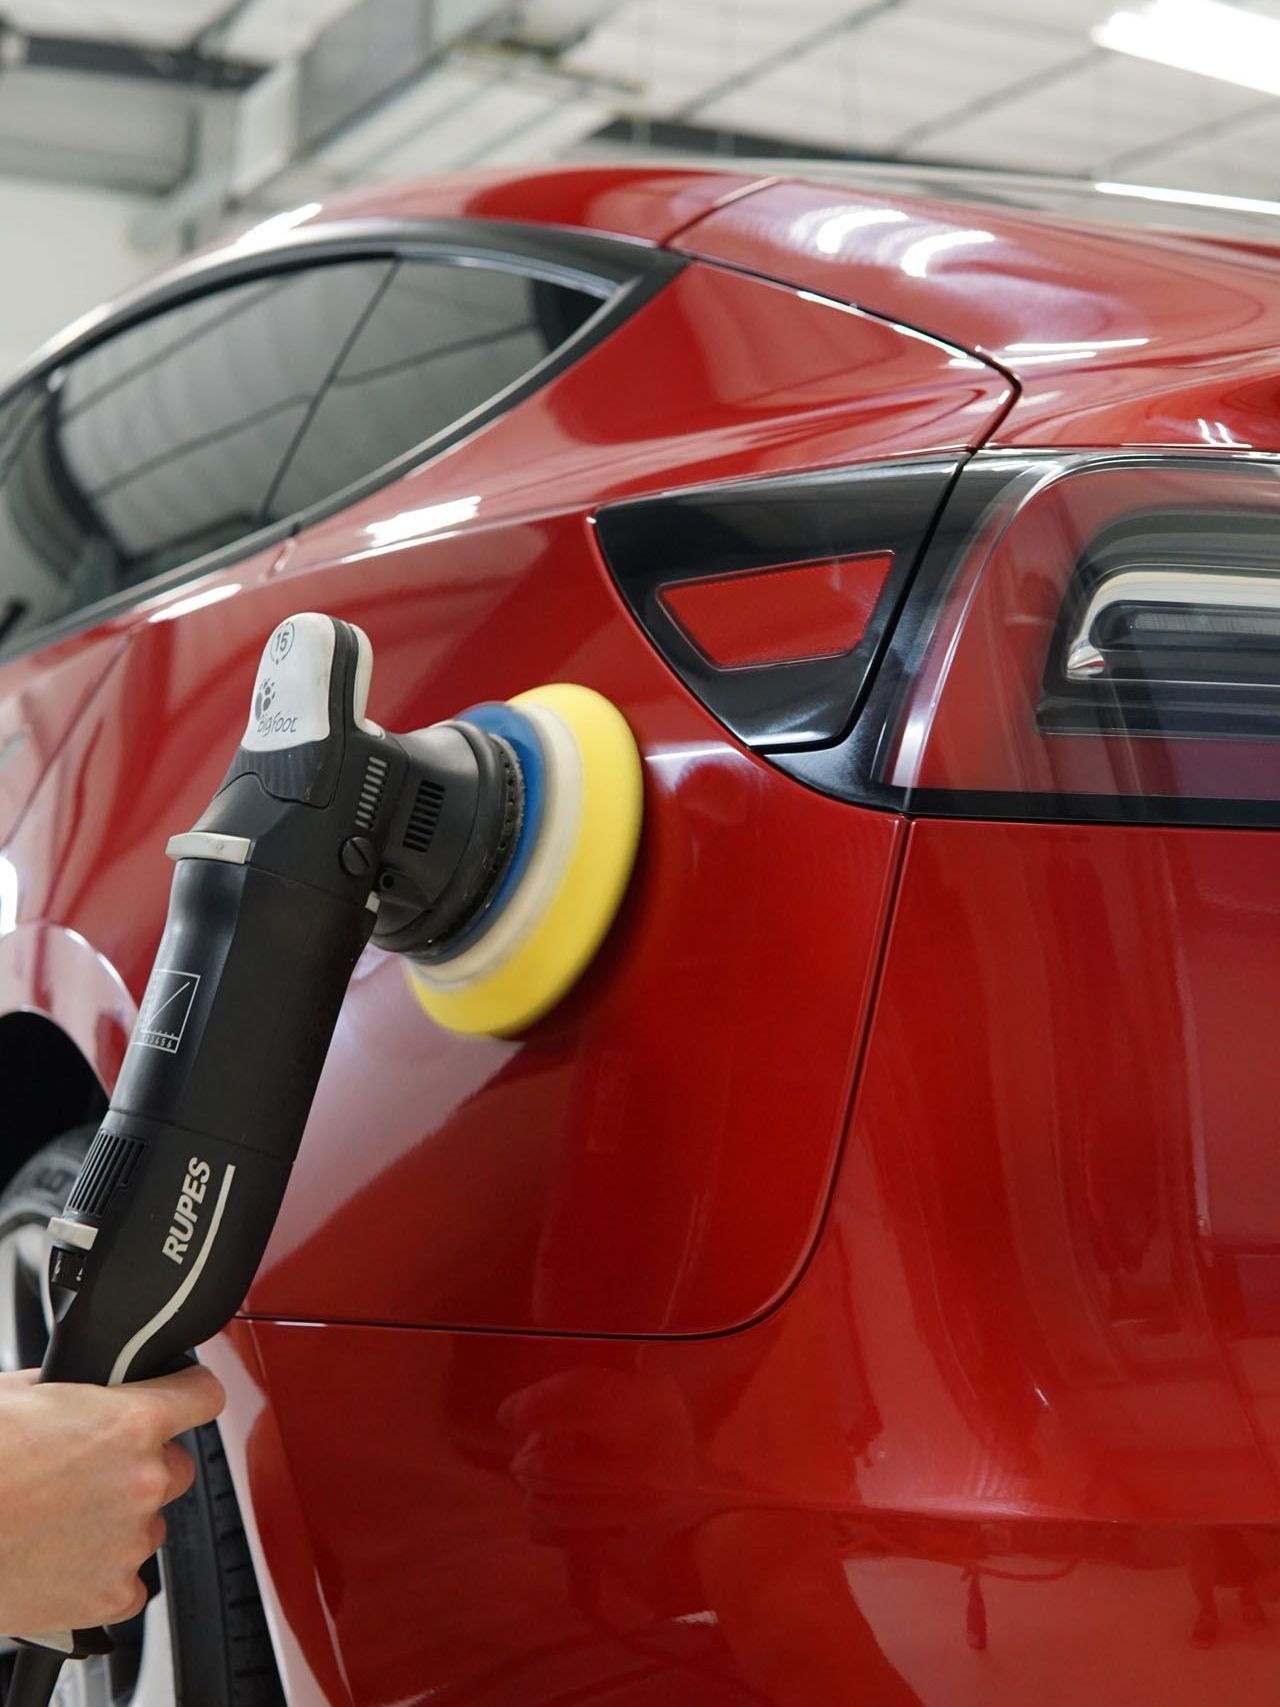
88, 853
41, 696
775, 616
963, 1391
1070, 1196
1026, 1389
752, 380
1116, 337
643, 202
276, 1527
696, 1211
652, 1230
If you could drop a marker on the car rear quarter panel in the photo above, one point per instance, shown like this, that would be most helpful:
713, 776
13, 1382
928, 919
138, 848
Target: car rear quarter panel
1115, 338
655, 1156
1014, 1430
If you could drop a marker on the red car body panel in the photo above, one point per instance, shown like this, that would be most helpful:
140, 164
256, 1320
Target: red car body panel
651, 1231
40, 699
626, 201
1027, 1383
1116, 338
879, 1254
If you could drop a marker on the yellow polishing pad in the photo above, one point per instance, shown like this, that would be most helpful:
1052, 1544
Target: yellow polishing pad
546, 935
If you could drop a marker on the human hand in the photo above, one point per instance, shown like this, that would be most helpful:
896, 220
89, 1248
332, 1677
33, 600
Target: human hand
84, 1472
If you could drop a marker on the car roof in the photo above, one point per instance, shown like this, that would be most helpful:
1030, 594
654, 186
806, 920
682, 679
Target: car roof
1132, 206
1112, 330
649, 199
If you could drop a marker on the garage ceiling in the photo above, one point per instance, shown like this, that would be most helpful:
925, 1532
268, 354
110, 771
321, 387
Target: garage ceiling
1015, 83
1000, 82
318, 93
264, 30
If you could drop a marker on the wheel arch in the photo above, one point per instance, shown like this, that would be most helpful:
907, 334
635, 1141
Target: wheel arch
47, 1086
65, 1019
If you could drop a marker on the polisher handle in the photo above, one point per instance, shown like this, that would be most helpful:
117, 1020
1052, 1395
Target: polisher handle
170, 1214
171, 1211
321, 821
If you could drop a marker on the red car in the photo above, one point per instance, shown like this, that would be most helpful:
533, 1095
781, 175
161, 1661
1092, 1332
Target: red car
866, 1286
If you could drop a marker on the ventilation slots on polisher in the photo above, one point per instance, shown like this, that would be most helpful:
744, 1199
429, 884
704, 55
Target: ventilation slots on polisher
492, 851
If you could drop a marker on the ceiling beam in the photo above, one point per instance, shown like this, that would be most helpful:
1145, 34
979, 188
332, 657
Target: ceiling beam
358, 63
1216, 129
374, 52
803, 43
1033, 83
187, 66
681, 136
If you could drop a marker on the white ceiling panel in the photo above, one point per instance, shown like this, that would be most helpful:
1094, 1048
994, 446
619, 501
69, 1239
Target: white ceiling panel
465, 115
463, 133
1240, 162
453, 88
266, 30
159, 23
882, 81
269, 30
1003, 83
1100, 113
51, 114
669, 54
1062, 17
549, 24
560, 126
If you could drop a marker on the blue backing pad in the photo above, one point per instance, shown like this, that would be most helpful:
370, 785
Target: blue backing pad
495, 717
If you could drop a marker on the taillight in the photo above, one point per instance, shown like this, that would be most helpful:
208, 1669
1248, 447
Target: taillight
1089, 635
1172, 621
772, 599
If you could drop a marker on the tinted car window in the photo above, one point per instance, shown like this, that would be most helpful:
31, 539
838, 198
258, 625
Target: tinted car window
163, 443
441, 340
36, 537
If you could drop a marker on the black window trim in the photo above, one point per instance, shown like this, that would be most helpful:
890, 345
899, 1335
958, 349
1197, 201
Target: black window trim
624, 273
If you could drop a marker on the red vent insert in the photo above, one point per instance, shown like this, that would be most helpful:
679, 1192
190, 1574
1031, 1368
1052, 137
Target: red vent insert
782, 615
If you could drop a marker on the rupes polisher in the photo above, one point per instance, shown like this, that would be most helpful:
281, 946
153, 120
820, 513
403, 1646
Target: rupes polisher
491, 851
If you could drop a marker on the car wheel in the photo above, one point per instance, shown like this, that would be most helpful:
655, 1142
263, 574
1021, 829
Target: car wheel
202, 1640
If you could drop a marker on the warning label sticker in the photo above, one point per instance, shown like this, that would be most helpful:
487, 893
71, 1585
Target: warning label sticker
166, 1008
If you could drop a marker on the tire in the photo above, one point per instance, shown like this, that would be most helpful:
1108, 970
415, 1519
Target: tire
202, 1641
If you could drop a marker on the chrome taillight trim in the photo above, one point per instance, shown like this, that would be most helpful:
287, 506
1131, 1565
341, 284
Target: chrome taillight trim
1208, 589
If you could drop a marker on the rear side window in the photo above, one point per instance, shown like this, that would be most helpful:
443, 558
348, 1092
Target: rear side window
443, 339
191, 430
163, 443
36, 536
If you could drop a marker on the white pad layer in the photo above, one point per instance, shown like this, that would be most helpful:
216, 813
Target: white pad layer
557, 838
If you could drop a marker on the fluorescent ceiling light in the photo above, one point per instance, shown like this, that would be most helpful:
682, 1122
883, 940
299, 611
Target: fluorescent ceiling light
1190, 198
1199, 35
